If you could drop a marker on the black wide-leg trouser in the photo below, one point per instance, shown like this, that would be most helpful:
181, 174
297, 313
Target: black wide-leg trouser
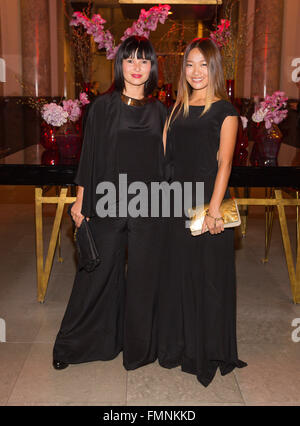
109, 310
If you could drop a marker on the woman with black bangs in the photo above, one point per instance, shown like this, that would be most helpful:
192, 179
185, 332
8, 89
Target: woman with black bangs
109, 312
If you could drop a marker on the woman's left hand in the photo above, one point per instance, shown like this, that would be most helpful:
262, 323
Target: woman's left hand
211, 224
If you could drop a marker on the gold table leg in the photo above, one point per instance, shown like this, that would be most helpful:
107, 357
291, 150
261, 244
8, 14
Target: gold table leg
43, 270
269, 215
243, 210
293, 274
60, 259
280, 203
244, 213
39, 242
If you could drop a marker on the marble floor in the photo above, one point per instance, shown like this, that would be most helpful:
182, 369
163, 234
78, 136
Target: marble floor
265, 314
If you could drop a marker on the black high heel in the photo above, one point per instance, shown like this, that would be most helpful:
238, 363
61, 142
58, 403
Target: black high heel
59, 365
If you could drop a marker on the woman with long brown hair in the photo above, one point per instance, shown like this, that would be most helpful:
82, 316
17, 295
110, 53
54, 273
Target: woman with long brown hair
198, 324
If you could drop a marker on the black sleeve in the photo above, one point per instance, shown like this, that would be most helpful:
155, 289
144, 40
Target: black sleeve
227, 110
83, 174
85, 116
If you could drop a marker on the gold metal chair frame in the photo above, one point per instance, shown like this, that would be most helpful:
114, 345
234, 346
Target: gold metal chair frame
274, 198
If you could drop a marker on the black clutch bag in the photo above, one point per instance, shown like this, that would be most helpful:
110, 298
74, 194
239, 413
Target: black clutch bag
88, 256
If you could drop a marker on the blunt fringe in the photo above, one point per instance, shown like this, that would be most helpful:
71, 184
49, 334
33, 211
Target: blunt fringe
143, 49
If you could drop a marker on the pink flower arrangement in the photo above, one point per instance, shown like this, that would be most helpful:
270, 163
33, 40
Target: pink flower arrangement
57, 115
222, 34
54, 114
147, 22
271, 110
83, 98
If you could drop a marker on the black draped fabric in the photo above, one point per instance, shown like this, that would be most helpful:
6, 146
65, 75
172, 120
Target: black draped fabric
139, 146
110, 311
198, 322
99, 159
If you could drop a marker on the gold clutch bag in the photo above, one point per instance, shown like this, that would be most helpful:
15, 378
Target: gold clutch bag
229, 211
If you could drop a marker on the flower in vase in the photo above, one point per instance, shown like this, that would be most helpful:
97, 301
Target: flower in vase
244, 122
222, 34
83, 98
54, 114
271, 110
259, 115
73, 109
57, 115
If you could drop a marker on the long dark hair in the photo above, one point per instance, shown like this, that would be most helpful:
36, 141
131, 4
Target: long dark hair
143, 49
216, 82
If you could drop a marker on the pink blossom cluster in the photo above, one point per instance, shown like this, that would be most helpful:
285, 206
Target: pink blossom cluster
147, 22
73, 109
222, 34
57, 115
83, 98
271, 110
54, 114
244, 122
95, 28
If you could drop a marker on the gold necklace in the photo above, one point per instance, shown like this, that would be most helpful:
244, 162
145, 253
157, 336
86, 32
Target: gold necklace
132, 101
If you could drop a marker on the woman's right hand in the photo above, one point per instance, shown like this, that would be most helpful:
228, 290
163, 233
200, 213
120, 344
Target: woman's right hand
76, 213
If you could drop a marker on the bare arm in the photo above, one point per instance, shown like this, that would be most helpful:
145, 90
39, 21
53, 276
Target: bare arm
225, 155
165, 137
79, 196
76, 209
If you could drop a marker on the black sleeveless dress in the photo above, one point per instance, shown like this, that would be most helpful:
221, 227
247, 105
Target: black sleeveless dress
198, 324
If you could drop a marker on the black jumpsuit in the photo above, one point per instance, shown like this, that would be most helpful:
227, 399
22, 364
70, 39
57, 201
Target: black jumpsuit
110, 311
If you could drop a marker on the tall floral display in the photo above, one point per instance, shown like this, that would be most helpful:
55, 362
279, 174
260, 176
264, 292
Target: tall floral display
231, 37
61, 126
147, 21
93, 30
230, 43
222, 36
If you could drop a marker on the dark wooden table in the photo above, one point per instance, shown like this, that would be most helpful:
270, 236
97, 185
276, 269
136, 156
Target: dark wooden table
34, 166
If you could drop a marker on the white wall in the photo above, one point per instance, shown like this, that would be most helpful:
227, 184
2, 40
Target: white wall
11, 46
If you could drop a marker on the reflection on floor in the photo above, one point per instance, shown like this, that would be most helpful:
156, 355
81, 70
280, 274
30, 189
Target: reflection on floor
265, 315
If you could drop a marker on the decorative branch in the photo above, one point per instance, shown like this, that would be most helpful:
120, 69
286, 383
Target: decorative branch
147, 21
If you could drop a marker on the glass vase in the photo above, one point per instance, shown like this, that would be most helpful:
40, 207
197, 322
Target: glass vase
47, 137
68, 140
268, 142
240, 156
230, 89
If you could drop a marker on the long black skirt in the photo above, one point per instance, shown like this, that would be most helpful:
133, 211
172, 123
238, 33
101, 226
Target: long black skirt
198, 322
110, 311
